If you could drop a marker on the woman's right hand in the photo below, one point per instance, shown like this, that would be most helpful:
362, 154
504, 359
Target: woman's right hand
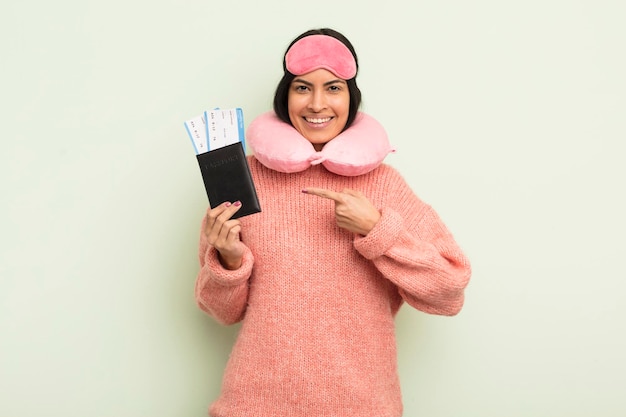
222, 233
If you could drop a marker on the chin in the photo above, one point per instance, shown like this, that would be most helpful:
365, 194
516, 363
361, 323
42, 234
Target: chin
318, 142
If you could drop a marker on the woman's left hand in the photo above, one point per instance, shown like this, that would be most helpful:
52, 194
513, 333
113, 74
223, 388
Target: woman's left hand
353, 211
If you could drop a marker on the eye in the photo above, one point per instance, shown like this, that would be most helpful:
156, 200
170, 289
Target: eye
300, 88
335, 88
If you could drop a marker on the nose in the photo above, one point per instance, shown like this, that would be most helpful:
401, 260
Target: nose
317, 102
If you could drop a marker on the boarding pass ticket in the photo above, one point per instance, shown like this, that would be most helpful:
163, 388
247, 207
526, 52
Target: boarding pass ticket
215, 129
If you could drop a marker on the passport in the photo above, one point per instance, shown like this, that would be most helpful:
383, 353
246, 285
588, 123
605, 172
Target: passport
226, 176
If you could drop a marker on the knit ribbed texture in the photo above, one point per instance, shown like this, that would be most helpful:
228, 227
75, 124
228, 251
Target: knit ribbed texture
318, 303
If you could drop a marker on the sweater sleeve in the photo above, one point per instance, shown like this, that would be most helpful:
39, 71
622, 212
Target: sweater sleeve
220, 292
416, 252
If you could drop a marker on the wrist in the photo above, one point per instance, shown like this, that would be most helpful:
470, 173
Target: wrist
373, 221
230, 263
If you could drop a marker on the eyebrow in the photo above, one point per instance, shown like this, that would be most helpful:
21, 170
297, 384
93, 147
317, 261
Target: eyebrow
327, 83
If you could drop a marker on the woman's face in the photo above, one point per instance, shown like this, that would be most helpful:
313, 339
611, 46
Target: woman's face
319, 104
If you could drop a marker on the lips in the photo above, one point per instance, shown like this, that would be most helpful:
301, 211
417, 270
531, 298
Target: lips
318, 120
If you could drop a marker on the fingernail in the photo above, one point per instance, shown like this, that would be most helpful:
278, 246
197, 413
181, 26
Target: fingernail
237, 203
228, 204
304, 190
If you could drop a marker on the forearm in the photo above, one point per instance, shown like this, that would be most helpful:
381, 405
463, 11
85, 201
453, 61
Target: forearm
221, 292
424, 262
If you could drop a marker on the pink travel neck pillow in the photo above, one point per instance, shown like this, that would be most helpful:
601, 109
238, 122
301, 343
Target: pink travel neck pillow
357, 150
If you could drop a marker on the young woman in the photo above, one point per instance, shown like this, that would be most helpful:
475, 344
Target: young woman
342, 242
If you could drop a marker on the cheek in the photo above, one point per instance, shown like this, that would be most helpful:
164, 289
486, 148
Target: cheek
342, 105
294, 105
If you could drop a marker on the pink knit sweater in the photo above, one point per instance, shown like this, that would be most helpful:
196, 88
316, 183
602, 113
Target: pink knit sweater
318, 303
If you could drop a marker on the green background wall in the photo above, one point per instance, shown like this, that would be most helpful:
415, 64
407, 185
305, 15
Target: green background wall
508, 117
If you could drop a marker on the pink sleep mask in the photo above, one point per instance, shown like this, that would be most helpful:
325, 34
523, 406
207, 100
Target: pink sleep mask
320, 51
357, 150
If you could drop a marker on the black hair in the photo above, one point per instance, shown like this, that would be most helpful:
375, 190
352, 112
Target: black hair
282, 90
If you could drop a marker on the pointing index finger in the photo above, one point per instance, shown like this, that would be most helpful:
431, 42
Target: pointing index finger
322, 192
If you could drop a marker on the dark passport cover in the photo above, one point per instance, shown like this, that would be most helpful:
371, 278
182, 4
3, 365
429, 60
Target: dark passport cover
226, 177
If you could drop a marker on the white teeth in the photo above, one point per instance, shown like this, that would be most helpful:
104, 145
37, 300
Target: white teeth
327, 119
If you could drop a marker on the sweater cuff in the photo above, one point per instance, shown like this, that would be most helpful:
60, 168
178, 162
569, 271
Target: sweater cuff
227, 277
382, 237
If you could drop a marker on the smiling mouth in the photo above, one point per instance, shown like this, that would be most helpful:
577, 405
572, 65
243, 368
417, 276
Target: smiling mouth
318, 120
